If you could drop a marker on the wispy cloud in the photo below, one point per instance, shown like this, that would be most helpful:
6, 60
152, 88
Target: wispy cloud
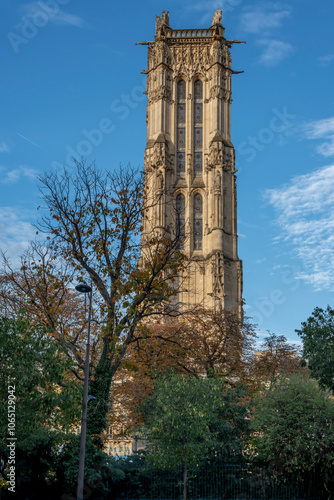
305, 214
209, 7
4, 148
274, 52
326, 60
56, 16
15, 231
263, 19
322, 130
14, 175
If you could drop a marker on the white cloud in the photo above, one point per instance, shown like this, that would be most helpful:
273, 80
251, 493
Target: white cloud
322, 129
326, 60
54, 15
4, 148
261, 20
14, 175
274, 52
15, 231
305, 209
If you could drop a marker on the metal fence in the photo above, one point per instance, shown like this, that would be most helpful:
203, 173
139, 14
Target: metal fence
220, 483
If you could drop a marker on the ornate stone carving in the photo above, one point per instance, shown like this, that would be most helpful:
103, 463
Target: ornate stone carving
157, 156
190, 54
216, 92
218, 182
189, 164
218, 272
161, 92
161, 23
201, 268
228, 158
227, 95
216, 153
160, 182
217, 17
190, 59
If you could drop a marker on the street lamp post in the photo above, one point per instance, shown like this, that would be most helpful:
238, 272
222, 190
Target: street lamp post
84, 288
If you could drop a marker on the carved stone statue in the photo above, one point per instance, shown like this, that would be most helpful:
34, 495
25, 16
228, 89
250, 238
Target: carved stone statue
163, 20
157, 23
165, 17
217, 17
160, 181
218, 182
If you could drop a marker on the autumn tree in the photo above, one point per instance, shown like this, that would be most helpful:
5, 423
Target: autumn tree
156, 350
275, 359
42, 287
92, 221
201, 343
217, 344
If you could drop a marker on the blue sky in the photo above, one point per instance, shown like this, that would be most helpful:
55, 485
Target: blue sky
71, 86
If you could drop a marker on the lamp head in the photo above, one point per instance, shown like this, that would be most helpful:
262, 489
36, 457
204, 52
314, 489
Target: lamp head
83, 288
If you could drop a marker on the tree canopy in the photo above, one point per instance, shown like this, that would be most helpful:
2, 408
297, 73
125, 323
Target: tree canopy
293, 426
276, 359
44, 404
190, 420
92, 222
201, 343
317, 334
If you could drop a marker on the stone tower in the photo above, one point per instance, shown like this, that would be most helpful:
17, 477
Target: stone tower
189, 158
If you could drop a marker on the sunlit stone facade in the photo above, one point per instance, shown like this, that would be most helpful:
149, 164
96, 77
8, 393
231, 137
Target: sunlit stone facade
189, 158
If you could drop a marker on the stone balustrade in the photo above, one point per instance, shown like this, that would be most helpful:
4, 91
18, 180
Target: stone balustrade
200, 33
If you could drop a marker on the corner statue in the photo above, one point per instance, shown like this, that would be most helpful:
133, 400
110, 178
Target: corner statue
217, 17
190, 161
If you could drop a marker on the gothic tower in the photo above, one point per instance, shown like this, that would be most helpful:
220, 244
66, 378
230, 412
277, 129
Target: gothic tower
189, 158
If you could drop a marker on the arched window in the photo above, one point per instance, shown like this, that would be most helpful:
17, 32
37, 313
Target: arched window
198, 128
181, 130
198, 222
180, 218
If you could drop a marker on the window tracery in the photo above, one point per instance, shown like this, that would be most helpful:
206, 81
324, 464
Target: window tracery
198, 128
181, 130
198, 221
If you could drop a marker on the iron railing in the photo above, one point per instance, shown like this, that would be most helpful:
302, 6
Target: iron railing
228, 482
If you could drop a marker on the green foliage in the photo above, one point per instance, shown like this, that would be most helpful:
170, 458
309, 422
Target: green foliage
317, 333
47, 402
101, 471
190, 420
293, 427
232, 428
40, 371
